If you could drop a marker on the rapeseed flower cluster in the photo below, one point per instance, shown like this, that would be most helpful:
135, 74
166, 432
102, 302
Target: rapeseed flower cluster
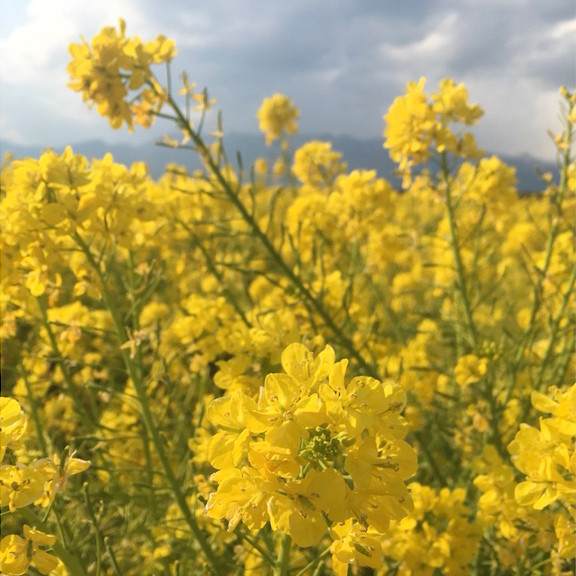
182, 334
547, 456
310, 449
417, 126
113, 72
278, 118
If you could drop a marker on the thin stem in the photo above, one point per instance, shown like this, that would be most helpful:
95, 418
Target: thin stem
71, 387
219, 277
530, 333
34, 412
422, 442
317, 560
554, 330
265, 555
556, 201
95, 523
112, 556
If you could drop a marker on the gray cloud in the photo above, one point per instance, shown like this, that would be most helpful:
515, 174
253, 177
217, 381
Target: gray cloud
514, 40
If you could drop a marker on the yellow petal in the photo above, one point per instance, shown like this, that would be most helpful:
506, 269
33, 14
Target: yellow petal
543, 403
76, 465
526, 493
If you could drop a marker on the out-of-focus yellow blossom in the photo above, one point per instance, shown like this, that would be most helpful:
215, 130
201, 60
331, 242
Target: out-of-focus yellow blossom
437, 536
497, 506
261, 167
316, 164
451, 103
277, 117
280, 167
470, 369
203, 102
410, 121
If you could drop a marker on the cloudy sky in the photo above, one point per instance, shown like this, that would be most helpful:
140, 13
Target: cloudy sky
341, 61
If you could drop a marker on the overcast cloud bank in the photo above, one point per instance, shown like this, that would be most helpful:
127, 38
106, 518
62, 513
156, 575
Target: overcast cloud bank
342, 62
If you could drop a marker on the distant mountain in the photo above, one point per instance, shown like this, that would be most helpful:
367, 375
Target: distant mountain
358, 153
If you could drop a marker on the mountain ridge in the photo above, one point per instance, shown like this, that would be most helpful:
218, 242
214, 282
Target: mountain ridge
357, 153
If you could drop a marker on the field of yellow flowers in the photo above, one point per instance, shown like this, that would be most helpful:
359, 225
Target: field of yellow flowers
286, 369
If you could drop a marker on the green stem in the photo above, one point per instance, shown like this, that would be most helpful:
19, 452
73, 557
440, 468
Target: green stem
232, 300
112, 556
530, 333
554, 330
316, 561
61, 551
555, 325
283, 561
265, 555
461, 284
71, 387
555, 201
95, 523
423, 443
34, 412
204, 152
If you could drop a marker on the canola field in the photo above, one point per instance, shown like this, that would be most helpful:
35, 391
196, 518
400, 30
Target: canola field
285, 369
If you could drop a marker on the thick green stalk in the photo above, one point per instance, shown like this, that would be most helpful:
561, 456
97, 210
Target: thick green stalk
283, 562
461, 283
341, 337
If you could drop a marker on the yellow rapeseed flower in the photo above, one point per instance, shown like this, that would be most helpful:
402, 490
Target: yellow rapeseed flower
277, 117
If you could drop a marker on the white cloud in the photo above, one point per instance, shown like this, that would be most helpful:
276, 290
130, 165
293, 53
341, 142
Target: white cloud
518, 115
435, 43
33, 69
33, 52
564, 29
